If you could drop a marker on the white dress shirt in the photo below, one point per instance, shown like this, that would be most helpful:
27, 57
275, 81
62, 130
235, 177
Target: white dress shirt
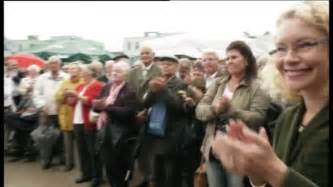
8, 92
145, 70
210, 79
45, 89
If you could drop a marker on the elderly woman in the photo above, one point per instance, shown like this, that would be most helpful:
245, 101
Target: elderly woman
84, 128
299, 156
237, 95
65, 111
117, 106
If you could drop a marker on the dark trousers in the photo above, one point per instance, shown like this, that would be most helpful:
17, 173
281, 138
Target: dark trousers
90, 163
116, 160
58, 149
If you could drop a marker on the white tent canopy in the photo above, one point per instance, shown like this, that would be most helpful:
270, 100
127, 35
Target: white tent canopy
192, 44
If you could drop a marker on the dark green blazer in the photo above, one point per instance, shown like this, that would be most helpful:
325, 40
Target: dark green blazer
305, 153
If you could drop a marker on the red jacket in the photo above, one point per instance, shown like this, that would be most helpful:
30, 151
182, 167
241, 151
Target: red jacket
91, 92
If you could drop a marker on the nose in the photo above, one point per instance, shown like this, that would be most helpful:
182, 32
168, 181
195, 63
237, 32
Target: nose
291, 57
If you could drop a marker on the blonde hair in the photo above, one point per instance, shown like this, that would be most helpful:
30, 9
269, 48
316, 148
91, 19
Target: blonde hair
315, 14
89, 68
97, 65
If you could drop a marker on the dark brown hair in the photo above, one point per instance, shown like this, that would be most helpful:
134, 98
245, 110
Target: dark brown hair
246, 52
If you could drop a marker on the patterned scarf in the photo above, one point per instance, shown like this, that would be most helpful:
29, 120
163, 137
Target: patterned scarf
114, 91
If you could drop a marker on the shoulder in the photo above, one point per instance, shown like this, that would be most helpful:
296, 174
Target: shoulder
63, 75
290, 111
155, 67
135, 70
286, 117
98, 83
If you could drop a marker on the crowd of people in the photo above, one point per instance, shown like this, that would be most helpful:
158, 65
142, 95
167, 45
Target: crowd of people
154, 122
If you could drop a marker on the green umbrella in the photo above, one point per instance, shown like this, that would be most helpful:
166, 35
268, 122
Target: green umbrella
44, 55
105, 57
78, 56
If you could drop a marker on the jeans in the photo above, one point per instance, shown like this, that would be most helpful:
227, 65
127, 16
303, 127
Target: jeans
219, 177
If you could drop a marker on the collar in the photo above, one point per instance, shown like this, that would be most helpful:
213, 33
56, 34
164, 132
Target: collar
59, 76
243, 82
212, 76
147, 68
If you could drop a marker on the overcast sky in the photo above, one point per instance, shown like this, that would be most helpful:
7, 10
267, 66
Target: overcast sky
109, 22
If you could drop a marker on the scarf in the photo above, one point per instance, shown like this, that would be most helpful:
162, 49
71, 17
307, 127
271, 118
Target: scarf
114, 91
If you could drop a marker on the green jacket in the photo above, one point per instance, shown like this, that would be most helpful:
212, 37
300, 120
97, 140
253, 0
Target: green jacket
249, 103
305, 153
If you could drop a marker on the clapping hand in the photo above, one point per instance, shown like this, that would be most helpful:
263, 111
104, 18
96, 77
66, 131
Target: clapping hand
248, 153
70, 93
221, 106
99, 103
187, 100
157, 84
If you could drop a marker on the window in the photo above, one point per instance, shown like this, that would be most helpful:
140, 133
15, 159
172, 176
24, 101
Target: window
129, 46
137, 45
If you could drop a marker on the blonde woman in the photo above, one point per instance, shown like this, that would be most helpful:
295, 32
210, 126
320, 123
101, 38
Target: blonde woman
299, 156
65, 111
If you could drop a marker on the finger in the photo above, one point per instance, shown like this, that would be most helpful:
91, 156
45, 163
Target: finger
227, 128
232, 122
252, 136
263, 134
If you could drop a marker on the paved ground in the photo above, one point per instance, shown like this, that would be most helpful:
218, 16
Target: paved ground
30, 174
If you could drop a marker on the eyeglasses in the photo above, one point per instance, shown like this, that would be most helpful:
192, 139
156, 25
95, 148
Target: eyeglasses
300, 48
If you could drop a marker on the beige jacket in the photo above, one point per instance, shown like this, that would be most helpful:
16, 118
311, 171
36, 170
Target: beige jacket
249, 103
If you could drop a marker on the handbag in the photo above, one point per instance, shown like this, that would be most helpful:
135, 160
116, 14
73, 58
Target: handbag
157, 120
200, 176
93, 116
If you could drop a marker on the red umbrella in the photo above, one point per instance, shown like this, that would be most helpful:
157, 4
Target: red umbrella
25, 60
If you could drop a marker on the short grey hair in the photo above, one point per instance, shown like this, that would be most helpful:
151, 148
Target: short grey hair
211, 52
124, 66
90, 68
34, 67
54, 59
109, 63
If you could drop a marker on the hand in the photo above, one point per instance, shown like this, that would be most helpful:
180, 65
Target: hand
198, 94
99, 103
245, 152
70, 93
70, 100
182, 94
189, 101
157, 84
141, 117
221, 106
31, 109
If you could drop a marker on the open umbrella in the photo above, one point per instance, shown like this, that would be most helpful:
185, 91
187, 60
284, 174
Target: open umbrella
25, 60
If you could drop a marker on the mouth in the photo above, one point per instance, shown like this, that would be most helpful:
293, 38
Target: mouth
293, 73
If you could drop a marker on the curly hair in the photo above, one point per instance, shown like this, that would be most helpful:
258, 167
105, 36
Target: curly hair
315, 14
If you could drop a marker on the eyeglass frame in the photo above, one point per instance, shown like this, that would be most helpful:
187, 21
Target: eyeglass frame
305, 45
